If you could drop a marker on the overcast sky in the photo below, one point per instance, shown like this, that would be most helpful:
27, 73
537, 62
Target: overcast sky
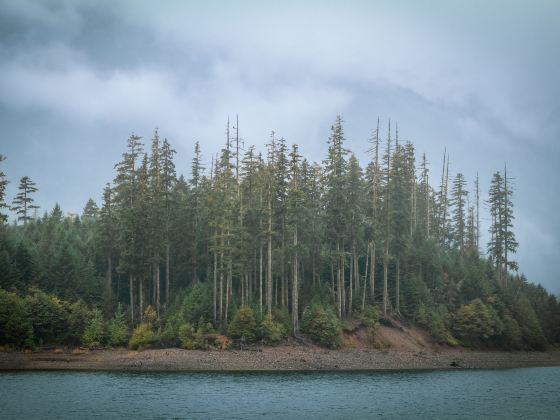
481, 78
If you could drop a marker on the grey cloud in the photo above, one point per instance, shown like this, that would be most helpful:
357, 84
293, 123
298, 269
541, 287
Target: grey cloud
480, 79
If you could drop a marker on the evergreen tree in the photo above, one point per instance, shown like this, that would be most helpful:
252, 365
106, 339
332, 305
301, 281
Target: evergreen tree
459, 197
107, 236
90, 210
3, 185
336, 168
23, 201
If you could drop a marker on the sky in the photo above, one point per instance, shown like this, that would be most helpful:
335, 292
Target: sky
479, 78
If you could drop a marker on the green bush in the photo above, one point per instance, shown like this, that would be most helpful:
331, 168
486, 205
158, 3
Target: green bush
322, 326
198, 304
191, 339
15, 326
143, 337
77, 318
476, 323
529, 325
48, 315
244, 325
272, 331
434, 320
511, 335
170, 334
369, 316
94, 334
117, 329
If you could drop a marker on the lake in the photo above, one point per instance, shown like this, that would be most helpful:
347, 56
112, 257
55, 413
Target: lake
509, 393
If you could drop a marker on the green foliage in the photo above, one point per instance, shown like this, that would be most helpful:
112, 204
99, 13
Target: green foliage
531, 331
78, 317
511, 334
15, 326
369, 316
143, 337
322, 325
94, 334
48, 317
272, 331
198, 303
244, 325
476, 323
221, 223
434, 320
117, 329
190, 338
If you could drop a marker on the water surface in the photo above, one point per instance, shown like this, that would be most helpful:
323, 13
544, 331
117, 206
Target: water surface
507, 394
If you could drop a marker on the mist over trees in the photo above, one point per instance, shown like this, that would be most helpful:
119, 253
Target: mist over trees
259, 245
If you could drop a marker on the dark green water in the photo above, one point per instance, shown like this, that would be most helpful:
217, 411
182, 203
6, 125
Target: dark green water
513, 393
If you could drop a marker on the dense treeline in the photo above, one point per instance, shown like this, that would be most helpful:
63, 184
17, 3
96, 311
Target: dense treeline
258, 246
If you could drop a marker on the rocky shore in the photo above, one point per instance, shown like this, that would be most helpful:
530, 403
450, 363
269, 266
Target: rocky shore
282, 358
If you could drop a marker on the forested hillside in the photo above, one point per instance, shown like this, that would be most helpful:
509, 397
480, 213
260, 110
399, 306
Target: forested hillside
257, 247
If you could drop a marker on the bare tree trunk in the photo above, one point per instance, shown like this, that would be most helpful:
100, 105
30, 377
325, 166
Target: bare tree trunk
351, 280
158, 300
313, 268
398, 291
154, 285
109, 280
338, 282
357, 274
372, 273
283, 288
167, 283
365, 279
343, 283
295, 291
385, 292
269, 261
221, 285
261, 279
141, 294
332, 281
215, 285
228, 287
242, 281
131, 290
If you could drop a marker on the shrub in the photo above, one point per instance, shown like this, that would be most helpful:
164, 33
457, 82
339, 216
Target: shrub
476, 322
322, 326
369, 316
222, 342
94, 334
143, 337
170, 334
272, 331
529, 325
190, 339
244, 325
15, 326
77, 318
117, 329
150, 316
48, 316
434, 320
198, 304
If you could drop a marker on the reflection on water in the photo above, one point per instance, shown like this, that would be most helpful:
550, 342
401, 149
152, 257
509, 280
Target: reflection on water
514, 393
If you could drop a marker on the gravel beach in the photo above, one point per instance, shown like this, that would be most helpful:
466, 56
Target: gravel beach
282, 358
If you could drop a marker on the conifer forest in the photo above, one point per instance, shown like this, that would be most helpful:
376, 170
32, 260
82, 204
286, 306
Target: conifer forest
260, 246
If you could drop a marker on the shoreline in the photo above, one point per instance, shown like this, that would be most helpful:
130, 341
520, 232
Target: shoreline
273, 359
